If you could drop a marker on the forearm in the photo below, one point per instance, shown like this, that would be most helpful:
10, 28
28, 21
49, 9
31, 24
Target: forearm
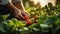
11, 7
23, 7
19, 6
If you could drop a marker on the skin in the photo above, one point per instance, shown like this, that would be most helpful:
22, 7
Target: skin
17, 9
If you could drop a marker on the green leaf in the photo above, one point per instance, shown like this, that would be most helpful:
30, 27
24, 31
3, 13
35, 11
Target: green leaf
44, 25
58, 22
1, 18
35, 29
1, 28
50, 20
24, 29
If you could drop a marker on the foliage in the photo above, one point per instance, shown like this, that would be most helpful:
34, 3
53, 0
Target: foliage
47, 20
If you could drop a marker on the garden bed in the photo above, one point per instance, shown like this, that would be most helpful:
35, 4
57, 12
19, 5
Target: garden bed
45, 20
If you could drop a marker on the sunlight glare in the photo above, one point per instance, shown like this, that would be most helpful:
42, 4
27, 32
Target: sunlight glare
36, 1
44, 2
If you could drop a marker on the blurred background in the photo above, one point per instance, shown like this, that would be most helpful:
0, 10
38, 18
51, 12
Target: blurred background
44, 20
41, 3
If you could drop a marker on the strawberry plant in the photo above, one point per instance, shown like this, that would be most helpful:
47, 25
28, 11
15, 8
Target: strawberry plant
42, 20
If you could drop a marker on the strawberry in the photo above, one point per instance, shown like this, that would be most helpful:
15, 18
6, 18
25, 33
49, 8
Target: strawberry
35, 17
28, 21
26, 17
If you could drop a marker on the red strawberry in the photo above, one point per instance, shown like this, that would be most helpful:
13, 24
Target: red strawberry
28, 21
35, 17
26, 17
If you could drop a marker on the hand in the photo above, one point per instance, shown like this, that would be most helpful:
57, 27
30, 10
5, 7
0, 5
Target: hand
20, 14
25, 13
